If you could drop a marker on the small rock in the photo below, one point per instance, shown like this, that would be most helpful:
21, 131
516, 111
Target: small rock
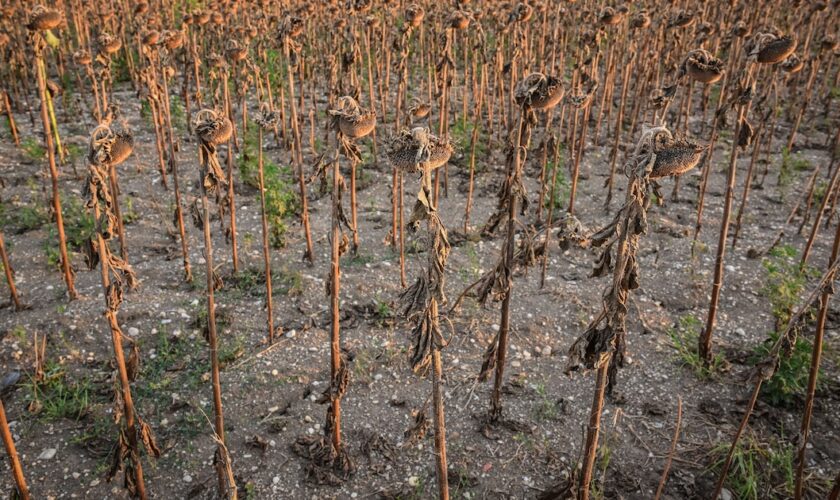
413, 481
133, 331
275, 480
47, 454
187, 478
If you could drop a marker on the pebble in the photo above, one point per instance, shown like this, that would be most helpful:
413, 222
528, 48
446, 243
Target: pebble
275, 480
290, 334
740, 332
133, 331
515, 364
187, 478
413, 481
47, 454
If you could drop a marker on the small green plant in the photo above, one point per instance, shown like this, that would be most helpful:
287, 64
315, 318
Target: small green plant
545, 409
78, 229
819, 192
146, 112
176, 366
74, 152
287, 282
360, 259
472, 271
383, 310
177, 113
33, 149
684, 336
129, 214
758, 470
364, 364
250, 281
791, 378
232, 348
561, 184
784, 282
280, 197
58, 396
461, 134
791, 164
19, 334
22, 219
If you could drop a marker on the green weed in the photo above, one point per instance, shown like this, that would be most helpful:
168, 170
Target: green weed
33, 149
59, 396
684, 337
758, 470
280, 197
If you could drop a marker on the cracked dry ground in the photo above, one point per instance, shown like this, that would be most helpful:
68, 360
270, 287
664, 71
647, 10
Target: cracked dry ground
269, 393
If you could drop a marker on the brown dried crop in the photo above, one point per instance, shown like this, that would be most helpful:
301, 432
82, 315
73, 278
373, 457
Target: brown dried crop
141, 8
372, 22
539, 91
675, 156
353, 121
770, 47
609, 16
212, 128
411, 150
681, 19
108, 44
419, 110
109, 148
292, 27
414, 15
217, 18
201, 18
82, 57
793, 64
43, 18
459, 20
702, 66
583, 93
640, 20
236, 52
54, 89
151, 37
828, 43
521, 13
171, 39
